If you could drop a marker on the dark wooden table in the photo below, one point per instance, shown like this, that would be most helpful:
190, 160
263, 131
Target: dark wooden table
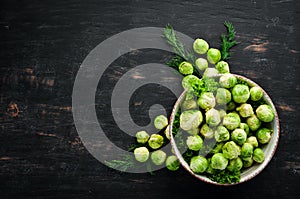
42, 45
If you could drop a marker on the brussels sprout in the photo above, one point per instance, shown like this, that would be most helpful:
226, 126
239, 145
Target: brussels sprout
190, 119
230, 106
223, 96
201, 64
221, 134
186, 68
188, 81
235, 164
142, 137
253, 122
227, 80
167, 132
246, 151
240, 93
231, 150
155, 141
231, 121
222, 113
194, 142
248, 162
218, 161
265, 113
258, 155
209, 169
210, 72
239, 136
194, 131
189, 104
172, 163
264, 135
245, 110
160, 122
141, 154
253, 141
206, 131
256, 93
206, 100
158, 157
245, 127
198, 164
212, 117
213, 55
217, 148
200, 46
222, 67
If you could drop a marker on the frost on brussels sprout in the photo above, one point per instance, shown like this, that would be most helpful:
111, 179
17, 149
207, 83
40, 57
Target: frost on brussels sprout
210, 72
239, 136
194, 142
235, 164
246, 151
231, 121
256, 93
265, 113
190, 119
141, 154
223, 96
186, 68
221, 134
217, 148
158, 157
189, 104
200, 46
212, 117
245, 127
253, 141
198, 164
227, 80
245, 110
206, 100
213, 55
172, 163
231, 150
222, 67
188, 81
264, 135
201, 64
206, 131
248, 162
155, 141
253, 122
258, 155
240, 93
218, 161
167, 132
194, 131
160, 122
142, 137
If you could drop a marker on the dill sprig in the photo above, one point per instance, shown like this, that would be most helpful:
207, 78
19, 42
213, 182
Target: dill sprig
123, 164
228, 41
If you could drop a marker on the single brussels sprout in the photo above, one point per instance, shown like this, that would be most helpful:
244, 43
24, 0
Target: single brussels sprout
222, 113
206, 131
186, 68
217, 148
246, 151
141, 154
227, 80
209, 169
218, 161
190, 119
245, 127
194, 131
230, 106
221, 134
253, 141
155, 141
231, 150
235, 164
201, 64
248, 162
223, 96
212, 117
256, 93
213, 55
245, 110
190, 94
167, 132
239, 136
253, 122
172, 163
240, 93
142, 137
158, 157
194, 142
200, 46
264, 135
198, 164
206, 100
265, 113
231, 121
160, 122
189, 104
258, 155
188, 81
222, 67
210, 72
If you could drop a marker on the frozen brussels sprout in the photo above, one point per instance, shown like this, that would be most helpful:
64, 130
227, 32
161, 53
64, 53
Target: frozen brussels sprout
158, 157
209, 169
142, 137
245, 110
213, 55
256, 93
201, 64
160, 122
200, 46
231, 121
227, 80
247, 162
253, 122
194, 142
231, 150
265, 113
188, 81
222, 67
172, 163
240, 93
253, 141
167, 132
206, 131
194, 131
212, 117
221, 134
186, 68
222, 113
264, 135
218, 161
239, 136
217, 148
155, 141
189, 104
198, 164
246, 151
258, 155
141, 154
235, 164
210, 72
223, 96
230, 106
206, 100
190, 119
245, 127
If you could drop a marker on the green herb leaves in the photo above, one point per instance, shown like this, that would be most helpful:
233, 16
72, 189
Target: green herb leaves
228, 41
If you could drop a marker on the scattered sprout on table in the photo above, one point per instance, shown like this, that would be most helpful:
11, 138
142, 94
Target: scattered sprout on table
200, 46
142, 137
156, 141
172, 163
213, 55
160, 122
141, 154
201, 64
186, 68
158, 157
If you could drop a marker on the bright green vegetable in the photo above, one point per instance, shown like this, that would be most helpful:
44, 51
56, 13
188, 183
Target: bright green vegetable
239, 136
221, 134
248, 162
245, 110
167, 132
240, 93
141, 154
231, 150
158, 157
200, 46
222, 67
201, 64
194, 142
142, 137
186, 68
217, 148
256, 93
213, 55
160, 122
194, 131
264, 135
246, 151
210, 72
231, 121
265, 113
258, 155
189, 104
206, 131
190, 119
155, 141
253, 141
212, 117
227, 80
235, 164
223, 96
253, 122
206, 100
198, 164
218, 161
188, 82
172, 163
245, 127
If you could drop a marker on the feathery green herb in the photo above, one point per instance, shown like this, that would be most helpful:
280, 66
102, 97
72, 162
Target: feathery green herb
228, 41
123, 164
